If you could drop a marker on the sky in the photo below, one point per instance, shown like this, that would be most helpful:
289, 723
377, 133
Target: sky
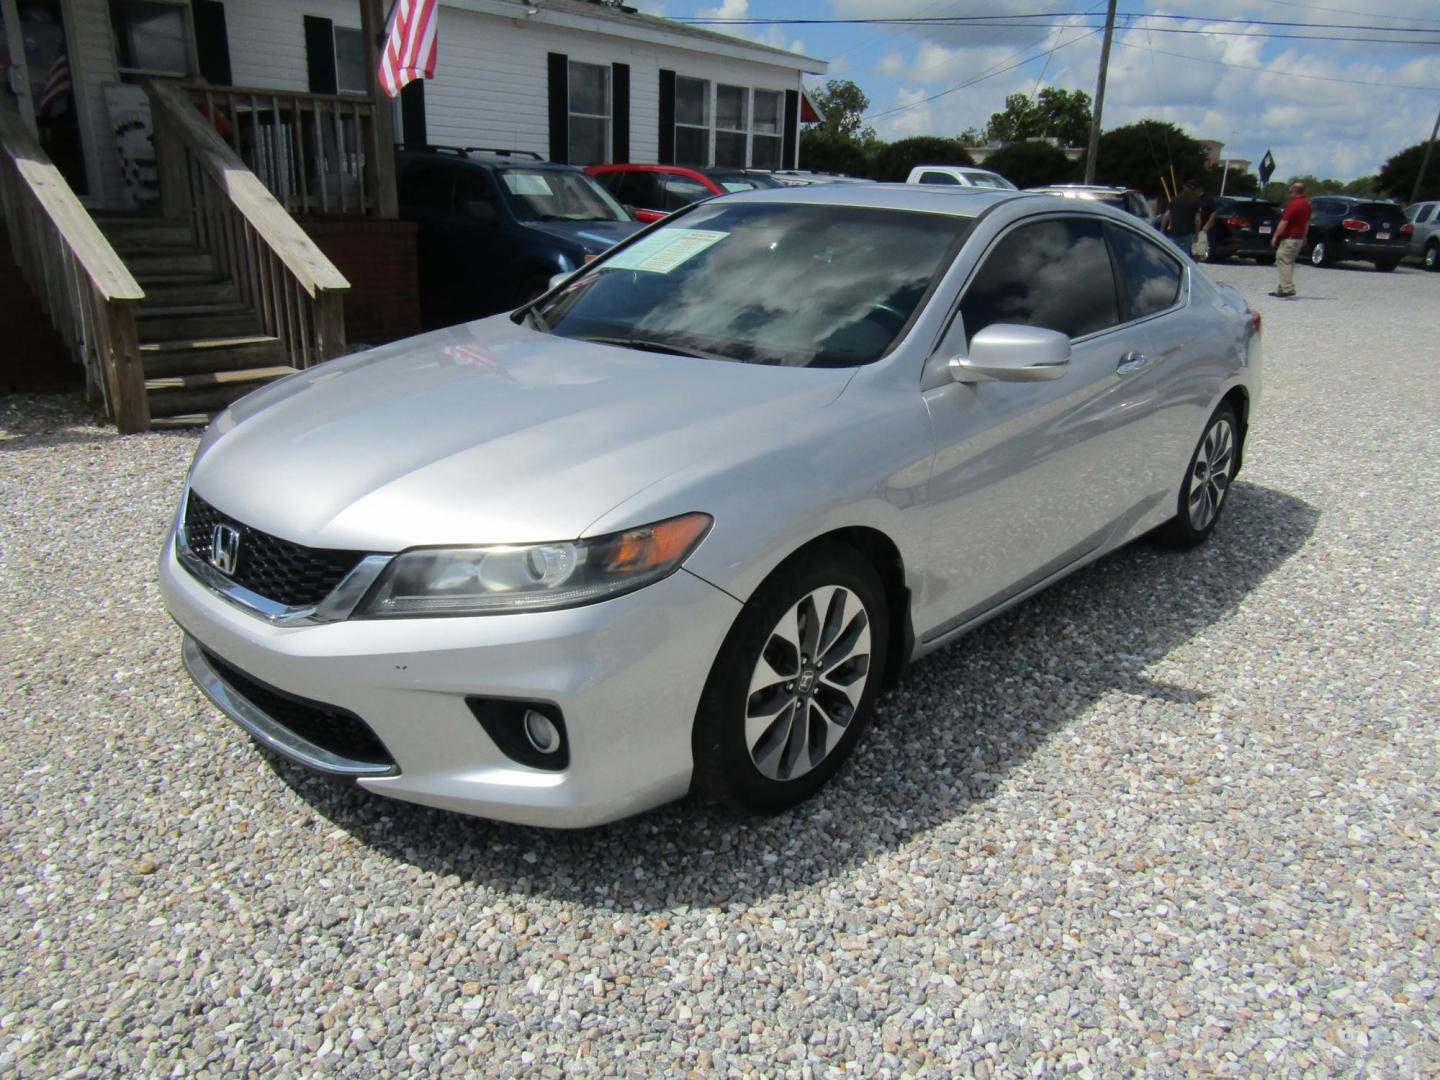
1335, 107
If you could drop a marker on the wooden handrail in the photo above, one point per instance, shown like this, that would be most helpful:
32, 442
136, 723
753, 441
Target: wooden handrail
71, 220
78, 280
276, 228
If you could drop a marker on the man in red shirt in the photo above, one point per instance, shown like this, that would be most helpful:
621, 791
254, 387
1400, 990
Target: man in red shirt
1289, 237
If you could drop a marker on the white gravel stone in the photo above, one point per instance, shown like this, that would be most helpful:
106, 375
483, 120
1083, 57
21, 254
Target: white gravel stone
1176, 816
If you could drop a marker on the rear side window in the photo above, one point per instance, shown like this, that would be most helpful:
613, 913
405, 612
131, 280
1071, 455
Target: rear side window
1424, 214
681, 191
1054, 274
425, 185
939, 178
1149, 277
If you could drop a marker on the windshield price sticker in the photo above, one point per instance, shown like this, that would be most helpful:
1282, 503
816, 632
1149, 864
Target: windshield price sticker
663, 251
526, 184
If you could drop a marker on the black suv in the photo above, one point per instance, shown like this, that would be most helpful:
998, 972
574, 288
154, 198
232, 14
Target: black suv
496, 225
1349, 227
1243, 226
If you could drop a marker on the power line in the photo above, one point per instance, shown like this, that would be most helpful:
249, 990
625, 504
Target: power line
1350, 11
1286, 74
1003, 21
989, 73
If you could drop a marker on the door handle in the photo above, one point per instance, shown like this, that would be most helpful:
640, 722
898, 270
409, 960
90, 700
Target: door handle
1131, 362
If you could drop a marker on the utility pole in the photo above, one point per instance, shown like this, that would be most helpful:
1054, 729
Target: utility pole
1425, 161
1099, 96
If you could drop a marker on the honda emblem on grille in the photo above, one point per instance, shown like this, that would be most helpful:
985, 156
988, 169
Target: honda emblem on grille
225, 549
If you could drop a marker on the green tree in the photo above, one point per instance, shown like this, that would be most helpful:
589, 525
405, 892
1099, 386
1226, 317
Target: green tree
844, 105
1237, 183
1138, 155
893, 161
1033, 164
822, 151
1366, 185
1397, 175
1058, 114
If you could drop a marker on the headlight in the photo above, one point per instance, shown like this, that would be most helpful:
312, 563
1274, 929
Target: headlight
532, 577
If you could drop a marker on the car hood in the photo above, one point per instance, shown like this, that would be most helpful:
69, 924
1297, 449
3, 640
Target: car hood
593, 236
483, 433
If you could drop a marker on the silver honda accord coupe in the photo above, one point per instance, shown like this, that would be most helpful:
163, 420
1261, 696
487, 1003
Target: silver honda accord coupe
674, 525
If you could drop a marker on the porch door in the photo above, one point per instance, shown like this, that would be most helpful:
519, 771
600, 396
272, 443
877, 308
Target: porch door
38, 81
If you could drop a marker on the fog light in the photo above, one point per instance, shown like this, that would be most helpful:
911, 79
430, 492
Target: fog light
541, 732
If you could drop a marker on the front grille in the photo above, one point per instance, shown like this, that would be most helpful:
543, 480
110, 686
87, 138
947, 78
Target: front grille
327, 726
287, 573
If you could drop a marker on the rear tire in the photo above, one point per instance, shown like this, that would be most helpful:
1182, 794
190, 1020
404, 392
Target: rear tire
1387, 265
1206, 483
1431, 258
1320, 254
794, 684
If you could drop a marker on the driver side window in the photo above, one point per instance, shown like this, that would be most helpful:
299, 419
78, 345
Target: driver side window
1054, 273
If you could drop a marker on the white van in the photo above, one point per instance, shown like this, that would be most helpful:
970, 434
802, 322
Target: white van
957, 176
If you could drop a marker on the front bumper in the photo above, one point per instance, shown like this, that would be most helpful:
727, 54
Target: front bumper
627, 675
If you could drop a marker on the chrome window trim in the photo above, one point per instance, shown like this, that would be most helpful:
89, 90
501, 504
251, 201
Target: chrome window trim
337, 607
266, 730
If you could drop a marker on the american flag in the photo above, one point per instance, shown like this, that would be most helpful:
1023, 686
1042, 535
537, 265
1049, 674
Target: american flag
409, 44
56, 95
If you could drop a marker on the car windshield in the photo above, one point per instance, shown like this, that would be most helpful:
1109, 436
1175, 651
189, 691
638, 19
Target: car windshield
558, 195
989, 180
763, 283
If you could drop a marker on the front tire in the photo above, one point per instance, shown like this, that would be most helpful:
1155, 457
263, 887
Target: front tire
1207, 482
1431, 258
794, 684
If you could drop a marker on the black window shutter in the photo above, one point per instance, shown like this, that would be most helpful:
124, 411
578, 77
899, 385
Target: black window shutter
320, 55
620, 112
559, 107
667, 117
412, 115
790, 144
212, 43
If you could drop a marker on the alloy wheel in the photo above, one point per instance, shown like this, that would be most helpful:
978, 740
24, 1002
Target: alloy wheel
807, 683
1319, 254
1432, 257
1210, 476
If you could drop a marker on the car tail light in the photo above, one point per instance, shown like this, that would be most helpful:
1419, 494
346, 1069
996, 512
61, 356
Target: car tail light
1407, 229
1355, 225
1238, 222
1255, 321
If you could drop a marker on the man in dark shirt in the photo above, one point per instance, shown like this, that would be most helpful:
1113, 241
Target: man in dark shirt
1289, 237
1182, 220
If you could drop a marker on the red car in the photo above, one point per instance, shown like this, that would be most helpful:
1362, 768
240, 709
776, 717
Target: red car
656, 190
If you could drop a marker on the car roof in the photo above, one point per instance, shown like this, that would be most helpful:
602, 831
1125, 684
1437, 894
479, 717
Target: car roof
485, 156
1099, 189
956, 201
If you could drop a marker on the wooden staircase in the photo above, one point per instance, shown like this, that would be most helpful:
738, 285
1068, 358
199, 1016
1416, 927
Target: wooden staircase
201, 347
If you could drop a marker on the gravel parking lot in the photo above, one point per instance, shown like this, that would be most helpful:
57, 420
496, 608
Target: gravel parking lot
1176, 816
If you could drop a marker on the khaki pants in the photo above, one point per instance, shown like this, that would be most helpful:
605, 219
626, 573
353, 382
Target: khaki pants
1286, 252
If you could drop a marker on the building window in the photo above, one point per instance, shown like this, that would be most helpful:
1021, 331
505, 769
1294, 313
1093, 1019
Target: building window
765, 143
350, 61
731, 125
152, 37
692, 122
589, 113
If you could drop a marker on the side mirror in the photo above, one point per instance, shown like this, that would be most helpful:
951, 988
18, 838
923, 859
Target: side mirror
1004, 352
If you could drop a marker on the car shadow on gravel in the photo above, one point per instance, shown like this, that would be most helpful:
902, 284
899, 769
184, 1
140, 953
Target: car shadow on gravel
942, 742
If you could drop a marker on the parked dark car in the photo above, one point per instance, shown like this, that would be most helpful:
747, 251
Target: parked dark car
657, 190
1350, 227
495, 226
1243, 226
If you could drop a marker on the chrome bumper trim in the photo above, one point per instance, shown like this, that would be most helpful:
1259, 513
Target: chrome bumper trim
267, 731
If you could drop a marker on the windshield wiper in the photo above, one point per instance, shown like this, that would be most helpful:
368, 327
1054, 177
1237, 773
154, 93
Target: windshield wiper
646, 345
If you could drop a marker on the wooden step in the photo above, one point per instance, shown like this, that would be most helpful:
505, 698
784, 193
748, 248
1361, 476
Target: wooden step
159, 237
183, 395
162, 323
205, 356
190, 289
122, 228
163, 266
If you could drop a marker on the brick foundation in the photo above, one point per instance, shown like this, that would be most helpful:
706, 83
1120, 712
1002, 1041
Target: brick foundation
378, 259
32, 355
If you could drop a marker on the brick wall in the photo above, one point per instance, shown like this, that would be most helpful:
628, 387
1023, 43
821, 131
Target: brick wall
378, 259
32, 356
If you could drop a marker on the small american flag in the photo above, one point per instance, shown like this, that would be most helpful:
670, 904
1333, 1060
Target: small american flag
410, 45
56, 95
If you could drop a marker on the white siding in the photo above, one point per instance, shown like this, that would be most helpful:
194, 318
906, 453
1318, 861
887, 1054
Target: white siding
267, 39
491, 81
